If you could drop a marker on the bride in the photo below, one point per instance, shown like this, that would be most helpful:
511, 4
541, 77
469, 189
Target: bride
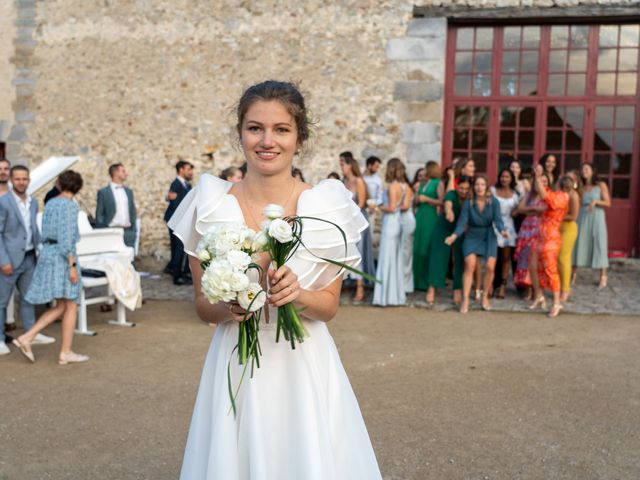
297, 418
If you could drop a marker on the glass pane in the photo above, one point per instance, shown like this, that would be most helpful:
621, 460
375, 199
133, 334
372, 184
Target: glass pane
480, 116
608, 35
464, 39
461, 116
529, 61
508, 85
508, 116
530, 37
480, 159
558, 61
628, 59
630, 35
571, 162
511, 62
601, 163
620, 188
461, 139
554, 140
622, 164
462, 85
511, 37
507, 139
528, 84
479, 139
463, 62
556, 85
483, 61
576, 83
625, 117
573, 141
607, 59
627, 83
482, 85
527, 117
578, 61
559, 36
579, 36
606, 84
604, 117
575, 117
603, 140
484, 38
525, 139
555, 116
624, 141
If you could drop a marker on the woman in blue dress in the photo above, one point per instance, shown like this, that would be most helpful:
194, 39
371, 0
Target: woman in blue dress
478, 217
391, 259
56, 276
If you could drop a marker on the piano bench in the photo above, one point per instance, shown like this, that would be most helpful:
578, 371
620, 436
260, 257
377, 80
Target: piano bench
92, 282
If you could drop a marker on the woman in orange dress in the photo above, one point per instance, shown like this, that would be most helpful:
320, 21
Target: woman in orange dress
544, 259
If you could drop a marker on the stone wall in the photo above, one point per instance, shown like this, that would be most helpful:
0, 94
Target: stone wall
7, 69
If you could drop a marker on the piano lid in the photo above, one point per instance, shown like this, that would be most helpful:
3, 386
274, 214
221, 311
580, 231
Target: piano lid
48, 171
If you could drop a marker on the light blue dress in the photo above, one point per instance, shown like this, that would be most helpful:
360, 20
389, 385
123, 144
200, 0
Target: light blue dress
59, 238
390, 272
591, 248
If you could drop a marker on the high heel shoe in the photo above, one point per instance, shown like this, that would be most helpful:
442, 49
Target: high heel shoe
540, 302
478, 295
24, 349
603, 282
464, 308
555, 310
71, 357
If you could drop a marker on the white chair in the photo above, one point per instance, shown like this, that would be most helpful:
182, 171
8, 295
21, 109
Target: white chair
109, 299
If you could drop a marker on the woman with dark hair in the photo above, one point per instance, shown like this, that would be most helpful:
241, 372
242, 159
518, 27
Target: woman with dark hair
516, 167
297, 174
288, 413
544, 257
591, 248
441, 253
532, 206
569, 233
549, 164
232, 174
356, 185
391, 261
505, 192
479, 216
56, 276
426, 217
419, 179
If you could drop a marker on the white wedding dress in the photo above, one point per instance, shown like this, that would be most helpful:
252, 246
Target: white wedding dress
297, 418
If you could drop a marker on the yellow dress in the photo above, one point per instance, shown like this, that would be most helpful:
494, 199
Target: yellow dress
568, 234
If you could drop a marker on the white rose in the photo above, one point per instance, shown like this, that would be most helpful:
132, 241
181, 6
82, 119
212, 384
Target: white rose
253, 291
238, 259
248, 240
260, 241
204, 255
281, 231
238, 281
218, 280
273, 210
264, 225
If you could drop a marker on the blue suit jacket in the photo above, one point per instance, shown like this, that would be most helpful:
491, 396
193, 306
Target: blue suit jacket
181, 191
13, 233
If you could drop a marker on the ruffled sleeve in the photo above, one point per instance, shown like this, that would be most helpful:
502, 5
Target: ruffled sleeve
331, 201
205, 205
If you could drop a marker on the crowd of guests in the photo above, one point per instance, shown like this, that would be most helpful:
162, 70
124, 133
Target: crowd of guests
454, 226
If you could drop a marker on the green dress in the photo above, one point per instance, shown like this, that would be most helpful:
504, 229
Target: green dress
426, 218
440, 252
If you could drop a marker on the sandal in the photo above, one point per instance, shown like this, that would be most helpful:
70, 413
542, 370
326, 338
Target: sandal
24, 349
603, 282
71, 357
540, 302
555, 310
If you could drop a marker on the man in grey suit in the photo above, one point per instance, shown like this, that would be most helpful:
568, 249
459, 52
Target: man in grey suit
116, 207
19, 238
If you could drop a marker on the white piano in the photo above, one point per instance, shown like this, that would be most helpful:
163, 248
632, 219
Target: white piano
94, 245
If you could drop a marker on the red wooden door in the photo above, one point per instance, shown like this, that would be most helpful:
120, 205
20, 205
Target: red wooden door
572, 90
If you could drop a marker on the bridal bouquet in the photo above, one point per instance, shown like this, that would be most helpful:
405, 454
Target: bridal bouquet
228, 253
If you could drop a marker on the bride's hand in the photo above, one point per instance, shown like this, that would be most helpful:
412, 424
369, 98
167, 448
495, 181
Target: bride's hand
236, 311
284, 286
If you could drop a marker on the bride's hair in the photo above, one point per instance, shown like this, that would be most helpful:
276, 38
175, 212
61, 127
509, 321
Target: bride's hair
286, 93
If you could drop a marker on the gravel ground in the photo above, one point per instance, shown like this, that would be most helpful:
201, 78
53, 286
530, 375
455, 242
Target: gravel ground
486, 396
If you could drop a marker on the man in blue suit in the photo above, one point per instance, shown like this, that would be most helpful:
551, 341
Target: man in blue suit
19, 237
116, 207
178, 266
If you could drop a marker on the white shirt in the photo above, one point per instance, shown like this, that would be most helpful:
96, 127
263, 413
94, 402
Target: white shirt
374, 185
25, 211
121, 218
182, 181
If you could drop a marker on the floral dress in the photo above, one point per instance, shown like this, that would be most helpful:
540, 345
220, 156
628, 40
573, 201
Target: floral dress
527, 240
